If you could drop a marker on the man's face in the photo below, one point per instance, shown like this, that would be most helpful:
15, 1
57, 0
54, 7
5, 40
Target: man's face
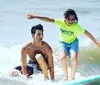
38, 36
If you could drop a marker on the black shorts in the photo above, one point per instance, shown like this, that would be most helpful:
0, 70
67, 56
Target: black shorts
30, 69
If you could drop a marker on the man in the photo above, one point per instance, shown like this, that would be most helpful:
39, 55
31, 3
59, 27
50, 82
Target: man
39, 53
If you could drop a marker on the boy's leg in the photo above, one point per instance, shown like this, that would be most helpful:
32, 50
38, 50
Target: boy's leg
74, 57
64, 65
63, 59
74, 61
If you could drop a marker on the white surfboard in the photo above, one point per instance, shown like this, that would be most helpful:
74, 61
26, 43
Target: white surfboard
95, 80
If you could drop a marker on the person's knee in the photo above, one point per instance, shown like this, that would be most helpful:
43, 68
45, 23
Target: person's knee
62, 56
39, 58
74, 55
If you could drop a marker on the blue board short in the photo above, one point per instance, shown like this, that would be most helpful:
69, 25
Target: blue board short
68, 47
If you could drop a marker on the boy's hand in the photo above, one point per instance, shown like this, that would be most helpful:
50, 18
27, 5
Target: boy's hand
30, 16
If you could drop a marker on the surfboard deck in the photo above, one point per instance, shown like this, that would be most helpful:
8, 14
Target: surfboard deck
36, 79
84, 81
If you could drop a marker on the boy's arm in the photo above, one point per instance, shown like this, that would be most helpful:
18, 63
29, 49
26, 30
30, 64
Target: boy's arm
47, 19
92, 38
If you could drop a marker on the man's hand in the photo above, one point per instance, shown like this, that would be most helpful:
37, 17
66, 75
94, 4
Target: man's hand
28, 77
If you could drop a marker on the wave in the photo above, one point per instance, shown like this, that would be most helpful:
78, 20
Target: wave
8, 80
89, 58
89, 54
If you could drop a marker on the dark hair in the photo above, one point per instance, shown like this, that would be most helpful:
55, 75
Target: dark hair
36, 27
69, 12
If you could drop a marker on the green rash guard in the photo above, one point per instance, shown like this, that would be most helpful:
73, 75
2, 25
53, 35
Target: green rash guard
68, 33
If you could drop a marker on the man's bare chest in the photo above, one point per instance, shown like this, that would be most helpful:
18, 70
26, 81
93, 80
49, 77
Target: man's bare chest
32, 51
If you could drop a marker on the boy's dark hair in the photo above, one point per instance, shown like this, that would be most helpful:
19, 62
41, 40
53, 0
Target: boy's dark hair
70, 12
36, 27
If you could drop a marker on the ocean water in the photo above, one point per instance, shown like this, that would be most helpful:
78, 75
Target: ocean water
15, 31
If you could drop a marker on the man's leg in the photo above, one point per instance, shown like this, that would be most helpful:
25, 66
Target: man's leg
42, 65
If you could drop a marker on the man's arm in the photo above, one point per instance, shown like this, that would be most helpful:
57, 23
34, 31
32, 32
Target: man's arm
30, 16
92, 38
24, 61
50, 61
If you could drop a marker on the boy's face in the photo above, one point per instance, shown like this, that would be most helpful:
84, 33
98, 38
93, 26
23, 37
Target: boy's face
38, 36
70, 20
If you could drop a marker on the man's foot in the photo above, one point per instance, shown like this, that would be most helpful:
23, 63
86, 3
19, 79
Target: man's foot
15, 73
